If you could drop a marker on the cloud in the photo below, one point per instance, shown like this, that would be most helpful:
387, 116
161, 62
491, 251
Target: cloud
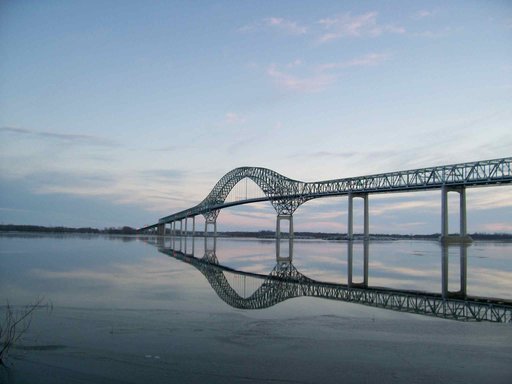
244, 143
412, 205
169, 148
156, 190
318, 79
324, 154
231, 124
232, 118
422, 14
368, 60
430, 34
63, 137
346, 25
15, 210
498, 228
280, 24
483, 200
316, 82
168, 174
288, 26
294, 63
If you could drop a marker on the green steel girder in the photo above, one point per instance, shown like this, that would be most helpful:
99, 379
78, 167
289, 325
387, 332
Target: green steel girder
286, 282
286, 194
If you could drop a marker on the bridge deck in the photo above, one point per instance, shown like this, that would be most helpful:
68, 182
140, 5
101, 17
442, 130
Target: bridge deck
277, 287
278, 188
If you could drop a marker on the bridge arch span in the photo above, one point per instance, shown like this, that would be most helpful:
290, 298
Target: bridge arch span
270, 182
281, 284
286, 194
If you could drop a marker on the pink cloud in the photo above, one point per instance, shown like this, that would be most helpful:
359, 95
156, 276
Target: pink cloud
314, 83
363, 61
288, 26
346, 25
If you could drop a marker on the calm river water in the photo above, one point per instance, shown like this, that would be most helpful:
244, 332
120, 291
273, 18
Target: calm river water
120, 310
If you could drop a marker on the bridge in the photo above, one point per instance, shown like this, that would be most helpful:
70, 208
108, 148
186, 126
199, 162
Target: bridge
286, 282
286, 195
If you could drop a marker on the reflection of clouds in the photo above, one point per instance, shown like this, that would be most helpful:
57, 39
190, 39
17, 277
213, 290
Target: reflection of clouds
405, 271
148, 283
414, 265
403, 284
260, 268
489, 282
150, 273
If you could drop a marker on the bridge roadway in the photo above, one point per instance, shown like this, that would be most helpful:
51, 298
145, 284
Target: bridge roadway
286, 195
286, 282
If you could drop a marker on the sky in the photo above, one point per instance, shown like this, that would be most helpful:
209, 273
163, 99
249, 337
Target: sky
118, 113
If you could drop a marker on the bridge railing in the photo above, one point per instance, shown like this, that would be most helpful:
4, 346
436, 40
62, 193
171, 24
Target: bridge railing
278, 187
285, 282
474, 173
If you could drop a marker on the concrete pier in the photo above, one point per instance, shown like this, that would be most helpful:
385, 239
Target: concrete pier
289, 257
463, 236
366, 216
209, 223
350, 265
461, 293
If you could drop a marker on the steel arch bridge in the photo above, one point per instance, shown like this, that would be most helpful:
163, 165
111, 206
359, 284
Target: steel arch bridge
286, 194
286, 282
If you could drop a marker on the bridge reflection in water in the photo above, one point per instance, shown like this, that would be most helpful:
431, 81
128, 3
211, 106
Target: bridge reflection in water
246, 290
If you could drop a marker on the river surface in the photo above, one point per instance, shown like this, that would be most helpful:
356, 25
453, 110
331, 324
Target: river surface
118, 309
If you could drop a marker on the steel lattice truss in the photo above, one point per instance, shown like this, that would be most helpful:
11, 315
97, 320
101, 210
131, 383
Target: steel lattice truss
286, 282
286, 195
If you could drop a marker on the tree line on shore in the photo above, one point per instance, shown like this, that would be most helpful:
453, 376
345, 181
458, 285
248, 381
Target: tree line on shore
126, 230
37, 228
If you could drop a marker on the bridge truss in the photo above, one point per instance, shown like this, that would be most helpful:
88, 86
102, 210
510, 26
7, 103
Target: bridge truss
286, 194
286, 282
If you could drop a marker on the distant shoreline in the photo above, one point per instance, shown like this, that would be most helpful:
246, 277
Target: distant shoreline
10, 228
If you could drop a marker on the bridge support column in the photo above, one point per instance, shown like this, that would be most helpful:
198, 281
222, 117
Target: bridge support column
290, 238
463, 268
210, 250
445, 234
350, 224
160, 241
210, 218
193, 226
350, 264
208, 223
366, 250
161, 230
366, 216
173, 227
186, 226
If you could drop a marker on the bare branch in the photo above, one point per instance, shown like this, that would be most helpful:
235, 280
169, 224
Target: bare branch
15, 324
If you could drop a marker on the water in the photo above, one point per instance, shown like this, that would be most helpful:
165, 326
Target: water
131, 273
118, 303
